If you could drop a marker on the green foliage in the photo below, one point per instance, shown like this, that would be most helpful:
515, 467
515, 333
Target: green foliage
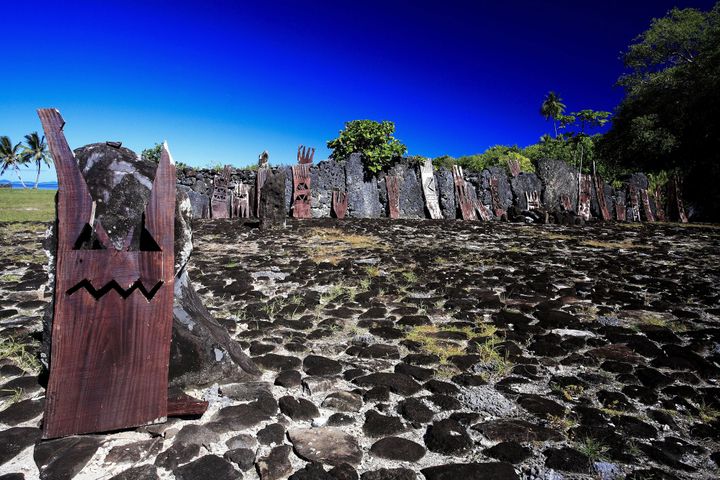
217, 166
552, 107
669, 118
374, 140
35, 151
444, 161
153, 153
658, 180
495, 156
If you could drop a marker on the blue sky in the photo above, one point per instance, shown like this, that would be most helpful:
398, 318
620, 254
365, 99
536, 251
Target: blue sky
223, 80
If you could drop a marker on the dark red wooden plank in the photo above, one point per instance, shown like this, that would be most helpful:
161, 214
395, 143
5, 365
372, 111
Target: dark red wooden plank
600, 194
339, 203
112, 310
305, 155
466, 203
301, 191
392, 182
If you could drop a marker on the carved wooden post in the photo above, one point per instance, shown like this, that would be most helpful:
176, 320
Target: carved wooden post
677, 209
620, 208
634, 204
495, 197
585, 196
647, 211
657, 197
219, 201
260, 178
600, 192
483, 211
565, 203
301, 191
392, 182
112, 307
533, 200
467, 206
339, 203
241, 203
514, 166
427, 177
305, 155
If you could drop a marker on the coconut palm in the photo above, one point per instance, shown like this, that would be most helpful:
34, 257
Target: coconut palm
552, 107
10, 157
35, 150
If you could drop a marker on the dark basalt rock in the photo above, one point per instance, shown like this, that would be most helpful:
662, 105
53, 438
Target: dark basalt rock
143, 472
134, 452
317, 365
331, 446
363, 198
65, 457
446, 192
241, 417
471, 471
511, 452
389, 474
22, 411
412, 201
298, 409
447, 437
525, 183
273, 433
396, 448
177, 454
516, 430
274, 201
378, 425
209, 466
558, 178
567, 459
244, 458
414, 410
276, 465
541, 406
396, 382
288, 379
273, 361
15, 440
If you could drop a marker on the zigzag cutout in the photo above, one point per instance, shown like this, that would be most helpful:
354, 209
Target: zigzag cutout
113, 285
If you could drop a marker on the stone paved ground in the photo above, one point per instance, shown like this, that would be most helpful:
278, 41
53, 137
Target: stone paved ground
418, 349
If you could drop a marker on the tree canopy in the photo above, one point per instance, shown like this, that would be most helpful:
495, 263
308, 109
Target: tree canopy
373, 139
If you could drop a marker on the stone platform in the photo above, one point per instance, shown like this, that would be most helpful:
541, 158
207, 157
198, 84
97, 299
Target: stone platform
416, 350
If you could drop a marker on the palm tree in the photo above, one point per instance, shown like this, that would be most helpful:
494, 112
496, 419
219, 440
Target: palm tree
36, 151
552, 107
10, 157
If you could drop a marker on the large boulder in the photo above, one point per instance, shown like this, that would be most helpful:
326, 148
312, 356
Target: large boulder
523, 184
446, 192
505, 194
273, 199
325, 177
199, 202
120, 182
412, 200
558, 178
363, 196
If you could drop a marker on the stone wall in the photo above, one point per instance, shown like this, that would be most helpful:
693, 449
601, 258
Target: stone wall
367, 194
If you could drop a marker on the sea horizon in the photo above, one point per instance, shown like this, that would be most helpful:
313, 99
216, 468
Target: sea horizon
31, 185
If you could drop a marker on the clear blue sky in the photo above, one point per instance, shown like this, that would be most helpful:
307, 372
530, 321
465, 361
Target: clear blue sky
224, 80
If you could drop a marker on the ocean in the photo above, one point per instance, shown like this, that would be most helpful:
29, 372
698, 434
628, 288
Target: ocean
42, 185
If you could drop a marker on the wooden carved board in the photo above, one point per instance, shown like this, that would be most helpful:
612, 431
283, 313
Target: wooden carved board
514, 166
495, 197
565, 202
301, 191
305, 155
219, 200
620, 209
427, 177
647, 211
112, 308
584, 197
339, 203
483, 211
259, 182
600, 193
392, 182
241, 201
467, 205
533, 200
634, 204
676, 202
657, 197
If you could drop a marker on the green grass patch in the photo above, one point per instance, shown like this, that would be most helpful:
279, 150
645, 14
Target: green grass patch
26, 205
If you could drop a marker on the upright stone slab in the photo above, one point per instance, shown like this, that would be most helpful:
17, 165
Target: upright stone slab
411, 195
326, 177
363, 195
260, 179
559, 179
273, 212
522, 186
496, 189
430, 189
646, 210
446, 191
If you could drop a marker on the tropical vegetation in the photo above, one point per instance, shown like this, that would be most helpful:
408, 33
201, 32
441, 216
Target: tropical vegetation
14, 156
374, 140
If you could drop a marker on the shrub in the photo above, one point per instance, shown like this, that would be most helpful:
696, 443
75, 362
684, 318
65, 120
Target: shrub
374, 140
